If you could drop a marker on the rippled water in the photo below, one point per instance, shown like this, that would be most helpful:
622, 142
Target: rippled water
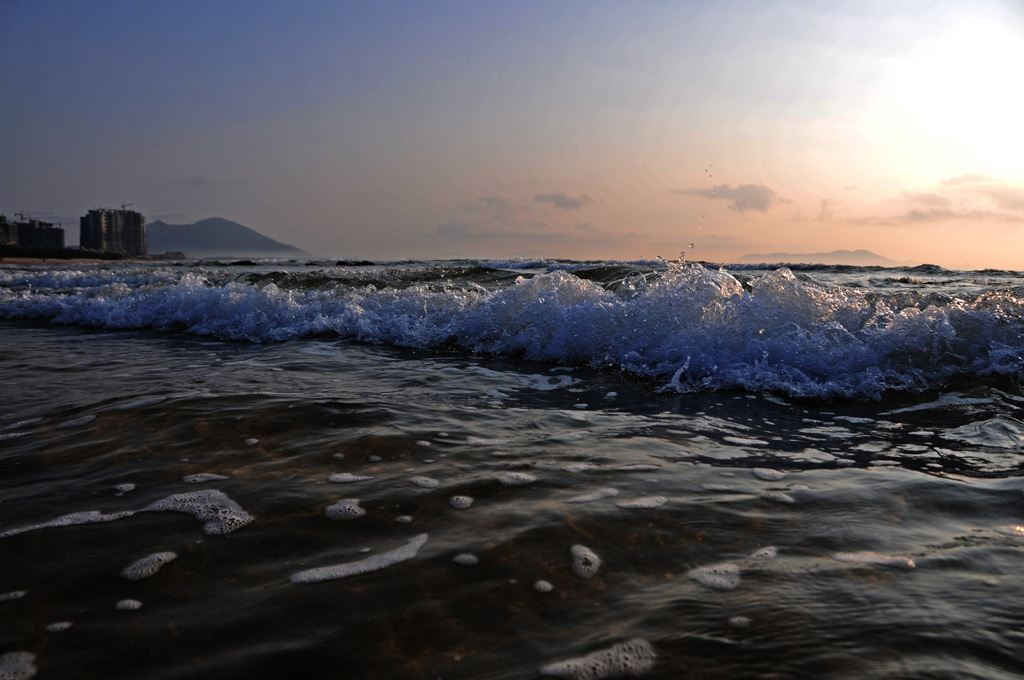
734, 533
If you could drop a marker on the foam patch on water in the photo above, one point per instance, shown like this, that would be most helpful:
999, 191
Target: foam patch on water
22, 423
460, 502
769, 475
13, 595
466, 559
871, 557
12, 435
644, 502
128, 605
594, 496
480, 441
374, 563
124, 488
722, 576
516, 479
767, 553
634, 658
345, 509
778, 497
425, 482
581, 467
716, 487
72, 519
637, 467
77, 422
17, 666
543, 586
347, 478
585, 562
220, 514
745, 441
201, 477
56, 627
148, 565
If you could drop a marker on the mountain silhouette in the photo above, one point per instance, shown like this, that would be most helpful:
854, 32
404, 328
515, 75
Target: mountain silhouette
215, 237
858, 258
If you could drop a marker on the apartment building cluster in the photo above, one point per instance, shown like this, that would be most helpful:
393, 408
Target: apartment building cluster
103, 229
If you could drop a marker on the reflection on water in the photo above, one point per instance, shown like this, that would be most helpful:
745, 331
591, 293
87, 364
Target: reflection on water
714, 536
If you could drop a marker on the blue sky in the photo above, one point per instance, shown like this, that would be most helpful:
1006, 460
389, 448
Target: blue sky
569, 129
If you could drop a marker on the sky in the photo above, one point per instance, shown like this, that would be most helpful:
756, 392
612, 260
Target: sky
612, 130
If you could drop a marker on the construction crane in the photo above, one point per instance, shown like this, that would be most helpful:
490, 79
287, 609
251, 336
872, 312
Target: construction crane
125, 205
22, 214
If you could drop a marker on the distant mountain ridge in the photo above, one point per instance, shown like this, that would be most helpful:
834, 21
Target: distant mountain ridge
215, 237
857, 258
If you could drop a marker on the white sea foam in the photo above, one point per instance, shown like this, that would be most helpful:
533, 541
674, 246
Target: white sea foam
466, 559
128, 605
460, 502
345, 509
374, 563
644, 502
347, 478
22, 423
722, 576
767, 553
72, 519
425, 482
594, 496
124, 488
220, 514
871, 557
543, 586
581, 467
585, 562
148, 565
768, 474
77, 422
17, 666
631, 658
702, 329
13, 595
637, 467
201, 477
516, 478
57, 627
778, 497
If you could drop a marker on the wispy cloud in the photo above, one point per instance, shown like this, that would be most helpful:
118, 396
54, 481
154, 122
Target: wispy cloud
498, 207
969, 178
1006, 197
741, 198
564, 201
926, 198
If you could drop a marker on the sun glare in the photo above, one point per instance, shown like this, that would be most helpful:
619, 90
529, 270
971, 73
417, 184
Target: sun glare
961, 88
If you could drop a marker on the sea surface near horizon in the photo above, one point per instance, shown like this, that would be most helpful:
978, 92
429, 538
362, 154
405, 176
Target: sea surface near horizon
482, 469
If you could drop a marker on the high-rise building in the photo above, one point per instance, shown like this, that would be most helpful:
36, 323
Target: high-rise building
31, 234
114, 230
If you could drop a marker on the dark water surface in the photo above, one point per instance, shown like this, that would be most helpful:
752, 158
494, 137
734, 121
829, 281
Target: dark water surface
870, 540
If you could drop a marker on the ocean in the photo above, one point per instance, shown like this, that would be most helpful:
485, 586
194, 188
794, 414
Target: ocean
510, 469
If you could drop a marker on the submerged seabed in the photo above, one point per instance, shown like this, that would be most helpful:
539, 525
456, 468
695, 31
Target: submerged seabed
176, 503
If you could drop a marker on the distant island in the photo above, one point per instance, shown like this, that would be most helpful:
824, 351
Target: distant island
216, 237
857, 258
